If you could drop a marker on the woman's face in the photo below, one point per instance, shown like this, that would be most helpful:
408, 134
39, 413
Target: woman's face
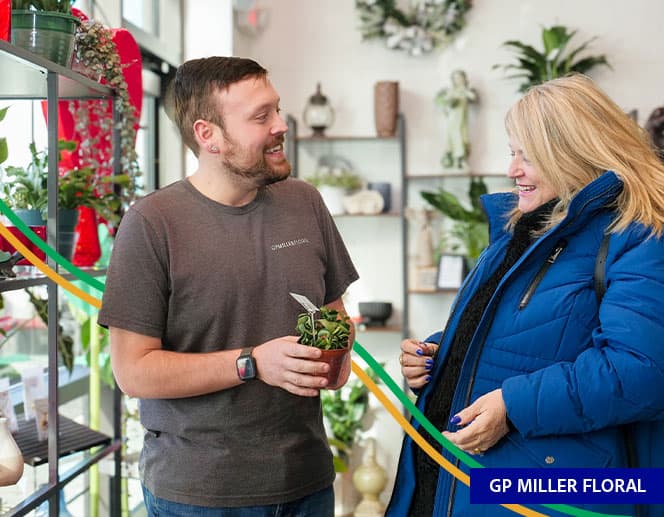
533, 191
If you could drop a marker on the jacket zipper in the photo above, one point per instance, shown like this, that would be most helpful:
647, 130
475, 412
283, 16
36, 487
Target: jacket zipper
479, 353
540, 274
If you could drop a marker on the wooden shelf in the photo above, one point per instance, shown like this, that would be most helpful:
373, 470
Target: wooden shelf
28, 276
387, 328
449, 290
340, 138
73, 438
444, 175
381, 214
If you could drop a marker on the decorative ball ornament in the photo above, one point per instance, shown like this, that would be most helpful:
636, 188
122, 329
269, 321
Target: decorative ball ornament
429, 24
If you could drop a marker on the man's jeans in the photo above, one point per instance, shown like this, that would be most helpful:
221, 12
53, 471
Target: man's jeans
318, 504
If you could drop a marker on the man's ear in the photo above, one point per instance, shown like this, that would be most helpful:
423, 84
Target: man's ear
206, 133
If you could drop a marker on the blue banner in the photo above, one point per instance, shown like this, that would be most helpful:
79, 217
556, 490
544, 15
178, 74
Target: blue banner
566, 486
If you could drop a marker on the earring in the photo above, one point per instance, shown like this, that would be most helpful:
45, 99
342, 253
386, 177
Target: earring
214, 149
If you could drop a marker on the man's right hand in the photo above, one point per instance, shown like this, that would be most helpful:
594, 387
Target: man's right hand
285, 363
416, 360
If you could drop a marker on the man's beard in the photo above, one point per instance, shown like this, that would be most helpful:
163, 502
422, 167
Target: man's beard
259, 173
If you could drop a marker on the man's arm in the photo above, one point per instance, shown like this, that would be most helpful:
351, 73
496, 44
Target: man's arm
143, 369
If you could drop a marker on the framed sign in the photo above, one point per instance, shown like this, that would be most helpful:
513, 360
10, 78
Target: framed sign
451, 270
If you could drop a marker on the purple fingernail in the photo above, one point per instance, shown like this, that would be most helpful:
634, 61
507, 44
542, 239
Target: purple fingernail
427, 378
455, 420
419, 351
429, 362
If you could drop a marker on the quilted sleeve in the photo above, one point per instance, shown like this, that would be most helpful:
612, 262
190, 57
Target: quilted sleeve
620, 378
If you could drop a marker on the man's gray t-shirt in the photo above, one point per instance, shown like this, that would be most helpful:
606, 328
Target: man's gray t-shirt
205, 277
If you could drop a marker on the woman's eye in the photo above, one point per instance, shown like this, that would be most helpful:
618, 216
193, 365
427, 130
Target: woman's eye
512, 154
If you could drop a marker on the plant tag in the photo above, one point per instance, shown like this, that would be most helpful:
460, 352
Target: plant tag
305, 302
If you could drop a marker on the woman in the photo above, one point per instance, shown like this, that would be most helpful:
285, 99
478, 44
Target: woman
549, 375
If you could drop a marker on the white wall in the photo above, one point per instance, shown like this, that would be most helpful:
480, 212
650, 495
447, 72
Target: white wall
308, 41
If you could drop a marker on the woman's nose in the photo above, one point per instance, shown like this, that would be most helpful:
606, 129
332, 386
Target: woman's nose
514, 168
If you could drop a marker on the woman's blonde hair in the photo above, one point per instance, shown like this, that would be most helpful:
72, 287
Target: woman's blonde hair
572, 132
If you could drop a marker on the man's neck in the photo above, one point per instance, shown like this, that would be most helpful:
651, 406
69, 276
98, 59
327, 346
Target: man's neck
222, 187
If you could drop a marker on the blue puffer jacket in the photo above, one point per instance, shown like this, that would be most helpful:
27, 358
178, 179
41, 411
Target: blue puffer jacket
572, 373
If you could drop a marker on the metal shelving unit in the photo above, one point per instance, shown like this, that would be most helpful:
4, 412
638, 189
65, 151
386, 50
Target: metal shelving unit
30, 77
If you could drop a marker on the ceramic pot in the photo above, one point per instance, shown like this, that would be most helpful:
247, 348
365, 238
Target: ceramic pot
335, 358
67, 219
47, 34
11, 459
333, 197
386, 107
370, 480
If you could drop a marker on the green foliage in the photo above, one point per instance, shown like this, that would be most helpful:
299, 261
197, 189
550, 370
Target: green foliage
535, 67
26, 187
470, 225
342, 178
4, 152
65, 342
332, 329
58, 6
344, 410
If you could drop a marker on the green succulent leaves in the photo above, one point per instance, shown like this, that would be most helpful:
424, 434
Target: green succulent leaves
331, 329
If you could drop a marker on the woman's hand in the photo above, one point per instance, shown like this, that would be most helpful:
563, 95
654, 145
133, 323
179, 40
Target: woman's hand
483, 423
416, 361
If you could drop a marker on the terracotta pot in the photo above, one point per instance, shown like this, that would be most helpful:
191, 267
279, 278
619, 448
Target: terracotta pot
335, 358
386, 107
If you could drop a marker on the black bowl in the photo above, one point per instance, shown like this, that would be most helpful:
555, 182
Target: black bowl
375, 314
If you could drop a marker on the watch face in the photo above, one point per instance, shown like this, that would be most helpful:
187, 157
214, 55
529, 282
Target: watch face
246, 368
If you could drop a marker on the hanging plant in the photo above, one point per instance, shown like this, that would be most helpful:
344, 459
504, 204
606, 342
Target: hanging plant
427, 25
535, 67
97, 57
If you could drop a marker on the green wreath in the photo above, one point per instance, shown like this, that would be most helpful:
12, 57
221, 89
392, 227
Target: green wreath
429, 24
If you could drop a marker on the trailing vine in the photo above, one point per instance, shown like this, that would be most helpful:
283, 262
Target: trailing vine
97, 57
429, 24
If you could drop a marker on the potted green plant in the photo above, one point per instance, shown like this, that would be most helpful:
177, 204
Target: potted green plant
334, 183
535, 67
25, 190
330, 332
470, 225
45, 27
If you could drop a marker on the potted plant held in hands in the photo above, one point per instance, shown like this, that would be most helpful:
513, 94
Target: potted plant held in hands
330, 332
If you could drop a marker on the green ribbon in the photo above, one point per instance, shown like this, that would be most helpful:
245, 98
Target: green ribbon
50, 252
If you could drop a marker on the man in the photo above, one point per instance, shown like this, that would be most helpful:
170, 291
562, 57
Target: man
200, 317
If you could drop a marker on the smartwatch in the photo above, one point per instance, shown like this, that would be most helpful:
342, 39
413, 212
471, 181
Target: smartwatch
246, 365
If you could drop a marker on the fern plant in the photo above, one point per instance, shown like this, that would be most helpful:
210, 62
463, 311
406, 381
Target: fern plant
535, 67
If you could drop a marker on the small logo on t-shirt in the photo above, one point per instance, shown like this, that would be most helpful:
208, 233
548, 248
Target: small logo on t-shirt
289, 244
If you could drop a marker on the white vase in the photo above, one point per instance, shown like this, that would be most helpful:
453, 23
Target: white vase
11, 459
370, 480
333, 198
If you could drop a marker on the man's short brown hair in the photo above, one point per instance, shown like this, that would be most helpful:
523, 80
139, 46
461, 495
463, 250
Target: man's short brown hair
193, 87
